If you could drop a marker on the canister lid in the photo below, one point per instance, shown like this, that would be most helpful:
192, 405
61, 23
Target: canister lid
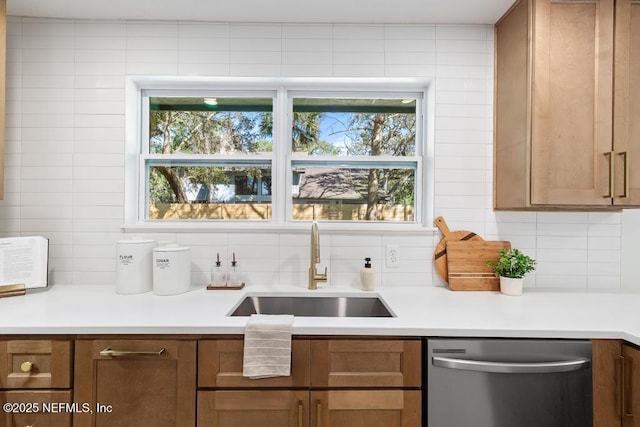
172, 247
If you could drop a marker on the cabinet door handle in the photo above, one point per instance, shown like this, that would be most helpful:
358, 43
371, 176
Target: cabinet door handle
118, 353
619, 366
26, 366
625, 164
611, 175
300, 414
318, 413
627, 364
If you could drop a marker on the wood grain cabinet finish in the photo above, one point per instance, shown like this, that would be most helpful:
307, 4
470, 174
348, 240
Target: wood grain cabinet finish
220, 365
567, 89
35, 378
143, 382
366, 363
616, 384
335, 382
366, 408
242, 408
41, 408
35, 364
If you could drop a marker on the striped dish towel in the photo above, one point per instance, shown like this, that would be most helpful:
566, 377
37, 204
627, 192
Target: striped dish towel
267, 346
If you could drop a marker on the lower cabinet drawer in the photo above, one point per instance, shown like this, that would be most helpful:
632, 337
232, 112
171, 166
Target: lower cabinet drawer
28, 364
370, 363
301, 408
37, 408
265, 408
220, 365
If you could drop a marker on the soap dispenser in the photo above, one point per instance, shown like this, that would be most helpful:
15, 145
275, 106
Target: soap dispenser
218, 275
234, 278
367, 276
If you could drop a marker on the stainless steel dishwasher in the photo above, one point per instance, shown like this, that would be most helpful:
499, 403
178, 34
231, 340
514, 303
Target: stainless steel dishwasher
509, 383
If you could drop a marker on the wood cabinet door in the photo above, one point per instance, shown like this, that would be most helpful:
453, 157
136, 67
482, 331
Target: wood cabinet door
220, 365
264, 408
572, 102
366, 363
366, 408
136, 382
42, 408
606, 362
626, 132
631, 386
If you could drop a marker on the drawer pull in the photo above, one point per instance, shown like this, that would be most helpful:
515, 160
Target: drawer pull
26, 366
118, 353
611, 175
300, 414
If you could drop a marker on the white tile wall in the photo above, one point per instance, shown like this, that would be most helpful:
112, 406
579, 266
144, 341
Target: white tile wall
65, 146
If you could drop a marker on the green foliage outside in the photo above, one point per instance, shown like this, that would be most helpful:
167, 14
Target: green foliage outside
229, 132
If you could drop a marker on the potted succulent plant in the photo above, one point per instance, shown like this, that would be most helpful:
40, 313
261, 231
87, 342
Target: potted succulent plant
511, 267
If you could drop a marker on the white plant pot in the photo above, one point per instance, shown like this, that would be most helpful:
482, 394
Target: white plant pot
511, 286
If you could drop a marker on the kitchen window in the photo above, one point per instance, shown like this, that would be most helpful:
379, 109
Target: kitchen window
278, 152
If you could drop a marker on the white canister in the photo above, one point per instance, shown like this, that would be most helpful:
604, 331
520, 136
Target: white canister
134, 268
171, 269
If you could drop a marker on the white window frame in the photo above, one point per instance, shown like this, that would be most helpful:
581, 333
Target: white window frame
281, 158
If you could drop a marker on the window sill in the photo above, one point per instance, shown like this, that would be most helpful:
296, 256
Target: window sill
258, 227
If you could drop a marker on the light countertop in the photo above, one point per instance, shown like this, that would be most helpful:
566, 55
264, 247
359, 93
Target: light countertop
420, 311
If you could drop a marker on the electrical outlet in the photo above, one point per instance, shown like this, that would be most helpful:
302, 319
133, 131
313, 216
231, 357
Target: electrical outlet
392, 259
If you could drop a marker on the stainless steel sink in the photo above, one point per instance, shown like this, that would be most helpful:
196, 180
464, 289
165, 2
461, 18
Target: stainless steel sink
332, 306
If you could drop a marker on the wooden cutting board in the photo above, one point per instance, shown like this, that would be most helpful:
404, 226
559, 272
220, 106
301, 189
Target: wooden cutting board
440, 254
467, 268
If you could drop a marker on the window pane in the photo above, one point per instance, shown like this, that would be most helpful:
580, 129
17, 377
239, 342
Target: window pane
346, 194
347, 127
210, 125
209, 192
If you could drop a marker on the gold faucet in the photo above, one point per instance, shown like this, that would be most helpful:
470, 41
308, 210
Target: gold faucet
314, 276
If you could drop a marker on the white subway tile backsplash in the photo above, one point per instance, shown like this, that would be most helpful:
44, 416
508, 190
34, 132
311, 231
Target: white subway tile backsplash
307, 31
347, 31
410, 58
146, 30
307, 45
203, 57
65, 139
100, 28
256, 31
47, 55
403, 70
462, 84
603, 282
202, 69
188, 30
99, 82
45, 42
307, 58
461, 32
100, 43
410, 32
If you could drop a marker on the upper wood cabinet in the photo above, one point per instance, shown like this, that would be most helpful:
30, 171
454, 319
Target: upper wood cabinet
567, 88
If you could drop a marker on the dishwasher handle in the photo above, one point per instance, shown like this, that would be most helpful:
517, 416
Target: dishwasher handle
512, 367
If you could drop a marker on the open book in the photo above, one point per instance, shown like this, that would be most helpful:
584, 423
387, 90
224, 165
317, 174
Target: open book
24, 260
